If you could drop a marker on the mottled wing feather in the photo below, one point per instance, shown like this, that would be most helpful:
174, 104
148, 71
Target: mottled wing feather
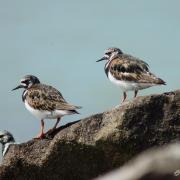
43, 97
127, 68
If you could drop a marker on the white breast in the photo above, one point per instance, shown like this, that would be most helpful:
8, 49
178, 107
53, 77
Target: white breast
128, 85
46, 114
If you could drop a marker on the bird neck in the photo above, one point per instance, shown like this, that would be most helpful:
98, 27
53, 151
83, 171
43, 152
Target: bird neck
24, 95
106, 67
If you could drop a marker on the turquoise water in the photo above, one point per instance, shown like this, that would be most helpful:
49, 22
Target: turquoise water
59, 41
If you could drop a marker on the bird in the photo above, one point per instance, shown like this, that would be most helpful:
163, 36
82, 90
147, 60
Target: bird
44, 102
6, 139
128, 72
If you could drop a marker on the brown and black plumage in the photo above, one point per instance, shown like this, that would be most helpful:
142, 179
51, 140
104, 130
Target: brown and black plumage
128, 72
127, 68
46, 98
44, 101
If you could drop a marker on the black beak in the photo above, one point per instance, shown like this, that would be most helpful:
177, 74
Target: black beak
102, 59
18, 87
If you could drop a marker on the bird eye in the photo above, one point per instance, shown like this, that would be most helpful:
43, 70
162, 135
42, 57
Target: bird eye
1, 136
25, 81
108, 53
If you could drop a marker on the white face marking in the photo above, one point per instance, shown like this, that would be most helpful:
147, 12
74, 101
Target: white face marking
113, 54
26, 85
110, 59
127, 85
46, 114
23, 84
22, 80
107, 64
106, 56
25, 92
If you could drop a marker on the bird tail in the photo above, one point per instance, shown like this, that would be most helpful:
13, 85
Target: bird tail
74, 112
161, 82
78, 107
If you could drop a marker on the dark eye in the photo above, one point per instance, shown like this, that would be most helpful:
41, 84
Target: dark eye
1, 136
25, 81
108, 53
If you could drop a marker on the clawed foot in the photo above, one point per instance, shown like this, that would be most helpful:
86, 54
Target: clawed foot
45, 135
40, 136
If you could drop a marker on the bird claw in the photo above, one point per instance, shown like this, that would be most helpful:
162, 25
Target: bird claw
40, 136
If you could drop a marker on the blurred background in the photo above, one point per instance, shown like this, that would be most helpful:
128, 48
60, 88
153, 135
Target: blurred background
60, 40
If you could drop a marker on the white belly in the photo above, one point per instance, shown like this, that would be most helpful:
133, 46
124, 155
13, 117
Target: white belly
128, 85
46, 114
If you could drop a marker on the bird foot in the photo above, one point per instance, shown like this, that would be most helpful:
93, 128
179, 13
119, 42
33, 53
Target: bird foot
40, 136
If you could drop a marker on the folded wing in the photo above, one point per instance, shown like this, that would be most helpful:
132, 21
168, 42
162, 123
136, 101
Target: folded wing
47, 98
128, 68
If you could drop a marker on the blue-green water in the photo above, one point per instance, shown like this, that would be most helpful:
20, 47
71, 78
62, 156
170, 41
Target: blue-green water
59, 41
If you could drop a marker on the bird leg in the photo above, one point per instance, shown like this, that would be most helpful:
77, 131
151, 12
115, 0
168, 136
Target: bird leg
57, 122
54, 127
41, 135
124, 97
135, 93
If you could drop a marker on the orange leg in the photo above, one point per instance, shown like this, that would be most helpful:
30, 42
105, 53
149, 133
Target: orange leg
41, 134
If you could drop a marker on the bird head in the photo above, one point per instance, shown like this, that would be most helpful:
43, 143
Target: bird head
27, 81
109, 53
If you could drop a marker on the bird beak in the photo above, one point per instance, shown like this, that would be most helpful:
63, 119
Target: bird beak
102, 59
18, 87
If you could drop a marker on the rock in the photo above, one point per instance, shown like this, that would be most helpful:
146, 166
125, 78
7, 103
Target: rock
157, 164
92, 146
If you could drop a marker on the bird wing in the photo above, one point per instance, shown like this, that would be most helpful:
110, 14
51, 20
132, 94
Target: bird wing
129, 68
47, 98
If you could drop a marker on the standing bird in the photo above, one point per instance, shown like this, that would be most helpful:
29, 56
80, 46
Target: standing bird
6, 139
128, 72
44, 101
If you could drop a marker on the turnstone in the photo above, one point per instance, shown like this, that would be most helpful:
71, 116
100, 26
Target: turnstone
6, 139
128, 72
45, 102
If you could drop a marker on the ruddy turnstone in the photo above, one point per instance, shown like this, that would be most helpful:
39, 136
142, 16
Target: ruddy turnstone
128, 72
6, 139
44, 101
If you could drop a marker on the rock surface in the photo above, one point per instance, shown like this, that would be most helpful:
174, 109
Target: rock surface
161, 163
95, 145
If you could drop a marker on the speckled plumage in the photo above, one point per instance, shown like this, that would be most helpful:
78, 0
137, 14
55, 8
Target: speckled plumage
128, 68
128, 72
46, 98
44, 102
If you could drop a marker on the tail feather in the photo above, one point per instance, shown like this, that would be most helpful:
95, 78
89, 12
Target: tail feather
160, 81
74, 112
78, 107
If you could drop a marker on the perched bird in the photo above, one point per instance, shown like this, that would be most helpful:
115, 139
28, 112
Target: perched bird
44, 101
6, 139
128, 72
